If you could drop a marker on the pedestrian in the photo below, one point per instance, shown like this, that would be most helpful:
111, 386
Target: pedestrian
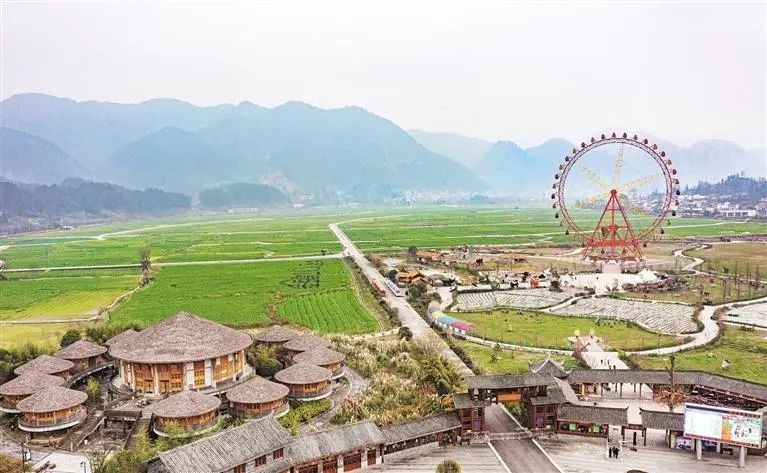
610, 452
617, 450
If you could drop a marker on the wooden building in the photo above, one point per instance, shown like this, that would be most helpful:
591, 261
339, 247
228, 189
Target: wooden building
24, 386
256, 446
590, 421
408, 277
429, 256
346, 448
421, 436
83, 354
274, 336
181, 353
46, 364
306, 382
305, 342
51, 410
258, 397
325, 358
192, 411
471, 412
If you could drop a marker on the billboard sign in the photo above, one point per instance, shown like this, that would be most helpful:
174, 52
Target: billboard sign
722, 424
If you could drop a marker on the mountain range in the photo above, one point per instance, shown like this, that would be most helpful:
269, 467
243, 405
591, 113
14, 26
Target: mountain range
297, 148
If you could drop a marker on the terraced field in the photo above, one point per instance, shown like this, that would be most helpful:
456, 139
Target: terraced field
316, 294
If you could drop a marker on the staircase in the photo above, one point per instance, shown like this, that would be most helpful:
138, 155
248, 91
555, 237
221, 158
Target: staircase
141, 425
77, 434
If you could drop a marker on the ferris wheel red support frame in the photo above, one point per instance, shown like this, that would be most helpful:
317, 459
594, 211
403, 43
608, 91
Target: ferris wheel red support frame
614, 237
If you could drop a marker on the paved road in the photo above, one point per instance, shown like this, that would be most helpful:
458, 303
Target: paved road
521, 456
407, 315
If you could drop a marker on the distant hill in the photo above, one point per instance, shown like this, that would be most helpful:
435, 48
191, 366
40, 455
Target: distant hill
29, 158
464, 149
178, 146
92, 131
77, 196
737, 186
241, 195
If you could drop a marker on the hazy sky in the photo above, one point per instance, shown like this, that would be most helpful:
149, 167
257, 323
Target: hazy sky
521, 71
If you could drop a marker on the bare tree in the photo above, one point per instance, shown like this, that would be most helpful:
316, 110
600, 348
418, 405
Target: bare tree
674, 395
145, 262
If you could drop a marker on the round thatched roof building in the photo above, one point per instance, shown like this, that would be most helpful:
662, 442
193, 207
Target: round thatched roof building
182, 352
83, 354
46, 364
306, 381
257, 398
120, 337
194, 412
24, 386
305, 342
53, 408
275, 335
325, 358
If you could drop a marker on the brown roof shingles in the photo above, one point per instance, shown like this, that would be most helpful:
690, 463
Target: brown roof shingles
303, 373
30, 383
52, 398
593, 414
418, 428
257, 390
320, 356
45, 364
275, 334
306, 341
335, 441
120, 337
79, 350
181, 338
185, 404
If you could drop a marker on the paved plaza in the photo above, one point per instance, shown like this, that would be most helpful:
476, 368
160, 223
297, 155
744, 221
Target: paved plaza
754, 314
587, 455
654, 316
473, 459
515, 299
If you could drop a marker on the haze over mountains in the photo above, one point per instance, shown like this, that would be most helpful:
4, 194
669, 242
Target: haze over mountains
295, 147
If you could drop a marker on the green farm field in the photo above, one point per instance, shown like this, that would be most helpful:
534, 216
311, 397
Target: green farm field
316, 294
747, 350
722, 257
550, 331
61, 294
441, 228
45, 334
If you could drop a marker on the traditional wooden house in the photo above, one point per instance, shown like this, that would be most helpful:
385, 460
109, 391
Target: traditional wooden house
305, 342
346, 448
307, 382
324, 357
471, 412
274, 336
51, 410
122, 336
183, 352
672, 423
46, 364
408, 277
83, 354
548, 366
591, 421
257, 446
258, 397
424, 434
24, 386
192, 411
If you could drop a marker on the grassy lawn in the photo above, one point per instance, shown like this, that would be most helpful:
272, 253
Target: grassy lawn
509, 362
41, 334
713, 290
550, 331
316, 294
741, 347
61, 295
721, 257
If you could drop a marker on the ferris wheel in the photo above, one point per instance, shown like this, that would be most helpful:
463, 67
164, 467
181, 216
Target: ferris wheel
628, 217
